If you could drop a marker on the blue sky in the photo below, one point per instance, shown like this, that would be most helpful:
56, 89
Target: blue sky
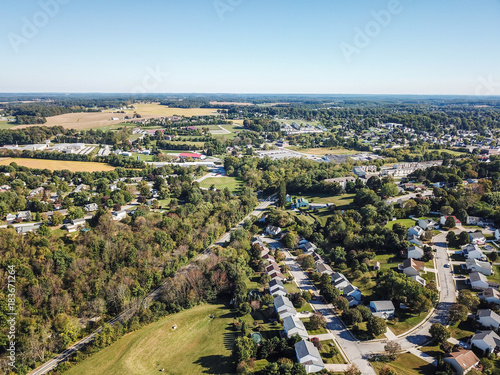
251, 46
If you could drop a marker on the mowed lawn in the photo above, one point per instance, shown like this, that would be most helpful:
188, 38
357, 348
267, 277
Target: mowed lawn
341, 201
220, 183
407, 364
6, 125
199, 345
57, 165
406, 222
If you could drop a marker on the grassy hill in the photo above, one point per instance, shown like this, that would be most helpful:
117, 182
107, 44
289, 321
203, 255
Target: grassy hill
199, 345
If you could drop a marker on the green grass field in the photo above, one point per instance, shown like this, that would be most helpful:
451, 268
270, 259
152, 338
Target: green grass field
322, 215
6, 125
232, 183
341, 201
405, 323
331, 353
319, 331
186, 142
407, 364
118, 126
143, 157
406, 222
199, 345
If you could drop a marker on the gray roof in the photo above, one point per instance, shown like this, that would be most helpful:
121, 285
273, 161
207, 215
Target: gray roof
482, 313
349, 289
322, 267
338, 277
474, 262
489, 337
291, 322
304, 348
477, 235
477, 276
281, 301
274, 282
382, 305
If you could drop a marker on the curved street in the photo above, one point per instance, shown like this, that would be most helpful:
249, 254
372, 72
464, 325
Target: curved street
358, 351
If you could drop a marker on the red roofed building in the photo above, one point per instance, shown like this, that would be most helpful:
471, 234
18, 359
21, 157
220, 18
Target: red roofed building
458, 223
191, 155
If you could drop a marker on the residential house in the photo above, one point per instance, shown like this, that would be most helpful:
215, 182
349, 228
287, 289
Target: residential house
21, 215
119, 215
497, 234
26, 229
71, 228
340, 281
91, 207
302, 203
415, 231
462, 361
376, 266
284, 307
479, 281
272, 230
276, 275
427, 224
268, 257
293, 326
78, 222
308, 248
474, 220
415, 240
472, 251
276, 288
382, 309
415, 252
442, 220
342, 181
488, 318
490, 295
308, 355
487, 341
474, 265
322, 267
264, 252
288, 198
477, 238
411, 267
273, 266
352, 294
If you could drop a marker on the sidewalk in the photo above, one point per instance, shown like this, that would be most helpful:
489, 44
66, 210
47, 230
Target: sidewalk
427, 358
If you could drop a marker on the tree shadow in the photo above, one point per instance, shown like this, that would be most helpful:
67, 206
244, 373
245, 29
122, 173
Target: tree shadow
216, 364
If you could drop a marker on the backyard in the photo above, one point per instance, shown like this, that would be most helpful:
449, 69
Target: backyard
407, 364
